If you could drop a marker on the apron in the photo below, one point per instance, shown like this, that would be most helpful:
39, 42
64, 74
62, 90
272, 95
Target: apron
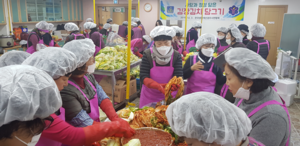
87, 35
190, 44
143, 30
97, 49
180, 49
94, 114
122, 31
263, 43
51, 44
222, 48
224, 91
201, 80
272, 102
133, 45
137, 33
31, 49
160, 74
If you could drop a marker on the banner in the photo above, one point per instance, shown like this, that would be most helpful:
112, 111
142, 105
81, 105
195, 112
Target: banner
227, 10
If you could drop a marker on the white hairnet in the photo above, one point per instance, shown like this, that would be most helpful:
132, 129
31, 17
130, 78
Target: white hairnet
136, 20
197, 24
26, 93
209, 118
236, 33
89, 25
71, 26
125, 23
106, 26
23, 42
133, 24
42, 25
109, 20
89, 20
222, 29
258, 30
84, 49
178, 30
162, 30
249, 64
232, 25
206, 39
57, 62
147, 38
13, 58
50, 27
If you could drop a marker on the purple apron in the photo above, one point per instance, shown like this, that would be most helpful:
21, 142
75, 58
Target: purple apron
160, 74
122, 31
76, 35
31, 49
221, 48
94, 114
87, 35
258, 48
201, 80
143, 30
98, 48
191, 44
224, 91
272, 102
137, 33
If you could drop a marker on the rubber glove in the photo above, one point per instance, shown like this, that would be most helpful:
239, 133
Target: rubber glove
184, 53
137, 53
148, 82
175, 87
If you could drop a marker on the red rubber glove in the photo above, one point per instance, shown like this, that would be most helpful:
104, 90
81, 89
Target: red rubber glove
99, 131
184, 53
175, 87
148, 82
182, 58
138, 54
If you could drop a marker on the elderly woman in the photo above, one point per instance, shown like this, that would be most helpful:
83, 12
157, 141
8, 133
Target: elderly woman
13, 58
122, 29
234, 38
259, 44
222, 44
140, 25
24, 115
192, 36
109, 21
94, 35
159, 64
249, 78
72, 28
105, 30
48, 38
177, 45
36, 37
201, 72
205, 119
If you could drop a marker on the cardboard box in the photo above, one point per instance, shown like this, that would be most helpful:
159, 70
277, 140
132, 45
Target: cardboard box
120, 88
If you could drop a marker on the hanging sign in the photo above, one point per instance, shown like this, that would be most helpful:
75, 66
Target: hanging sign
229, 10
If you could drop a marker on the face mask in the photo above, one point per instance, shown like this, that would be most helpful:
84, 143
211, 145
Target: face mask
242, 93
33, 142
220, 37
208, 52
164, 50
91, 68
228, 41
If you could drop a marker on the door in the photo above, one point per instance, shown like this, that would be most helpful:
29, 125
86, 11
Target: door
118, 17
272, 18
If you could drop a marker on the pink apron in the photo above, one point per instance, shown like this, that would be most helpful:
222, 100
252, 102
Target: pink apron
180, 49
201, 80
76, 35
221, 48
51, 44
31, 49
191, 44
136, 43
160, 74
258, 48
94, 114
87, 35
272, 102
224, 91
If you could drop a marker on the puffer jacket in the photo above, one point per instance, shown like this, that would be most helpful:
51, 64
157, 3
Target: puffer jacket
263, 51
74, 101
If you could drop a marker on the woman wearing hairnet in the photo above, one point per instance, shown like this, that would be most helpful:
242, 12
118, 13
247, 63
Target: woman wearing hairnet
133, 24
234, 38
106, 29
201, 72
137, 32
259, 44
205, 119
94, 35
122, 29
159, 64
139, 45
83, 96
177, 45
74, 36
192, 36
23, 115
48, 38
89, 20
222, 44
72, 28
109, 21
59, 63
13, 58
36, 36
138, 22
249, 78
244, 31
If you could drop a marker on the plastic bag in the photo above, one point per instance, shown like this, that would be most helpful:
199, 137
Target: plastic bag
40, 47
114, 39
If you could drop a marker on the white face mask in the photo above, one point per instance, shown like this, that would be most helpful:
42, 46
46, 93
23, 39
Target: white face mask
33, 142
220, 37
163, 50
91, 68
208, 52
228, 41
242, 93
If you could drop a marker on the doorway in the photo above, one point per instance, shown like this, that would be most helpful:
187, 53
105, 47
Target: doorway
272, 18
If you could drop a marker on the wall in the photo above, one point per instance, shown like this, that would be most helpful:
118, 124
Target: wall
4, 29
251, 13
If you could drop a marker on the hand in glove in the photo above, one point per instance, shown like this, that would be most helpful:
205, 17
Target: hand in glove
175, 87
184, 53
137, 53
148, 82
